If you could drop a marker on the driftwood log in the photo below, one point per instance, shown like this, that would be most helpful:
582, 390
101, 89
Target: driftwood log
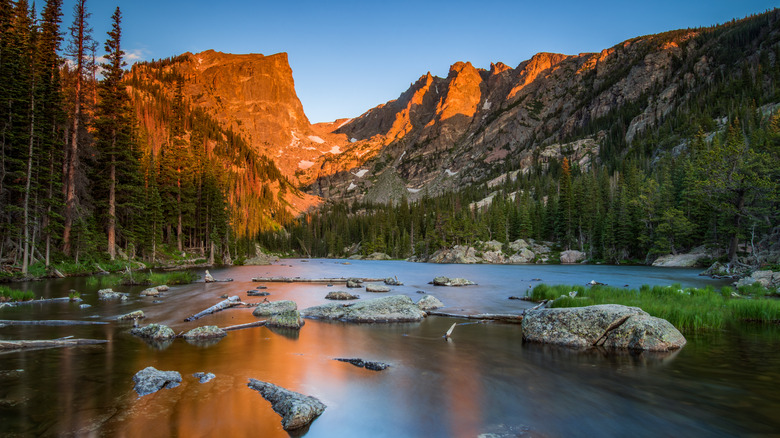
43, 301
222, 305
510, 318
52, 322
311, 280
50, 343
243, 326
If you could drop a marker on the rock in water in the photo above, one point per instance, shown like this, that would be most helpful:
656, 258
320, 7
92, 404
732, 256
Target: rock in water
155, 332
150, 380
354, 283
205, 332
138, 314
288, 319
360, 363
429, 302
444, 281
109, 294
572, 256
274, 307
371, 287
396, 308
297, 410
583, 326
208, 278
204, 377
341, 295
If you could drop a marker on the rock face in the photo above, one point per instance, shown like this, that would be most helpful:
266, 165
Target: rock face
150, 380
429, 302
492, 252
341, 295
445, 281
371, 287
290, 319
154, 332
689, 260
205, 332
767, 279
581, 327
274, 307
297, 410
396, 308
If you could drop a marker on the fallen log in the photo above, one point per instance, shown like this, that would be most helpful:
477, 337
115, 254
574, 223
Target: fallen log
222, 305
43, 301
510, 318
52, 322
243, 326
310, 280
51, 343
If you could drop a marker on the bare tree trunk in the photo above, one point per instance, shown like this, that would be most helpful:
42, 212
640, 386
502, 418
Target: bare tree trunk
31, 143
112, 203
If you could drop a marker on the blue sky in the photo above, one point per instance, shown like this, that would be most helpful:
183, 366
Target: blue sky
349, 56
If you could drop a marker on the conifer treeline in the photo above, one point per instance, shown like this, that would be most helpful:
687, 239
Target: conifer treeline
708, 174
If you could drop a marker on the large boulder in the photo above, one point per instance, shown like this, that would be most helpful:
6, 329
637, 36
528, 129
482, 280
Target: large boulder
445, 281
523, 255
581, 327
274, 307
767, 279
297, 410
150, 380
154, 332
689, 260
290, 319
572, 256
429, 302
396, 308
109, 294
354, 283
378, 256
457, 254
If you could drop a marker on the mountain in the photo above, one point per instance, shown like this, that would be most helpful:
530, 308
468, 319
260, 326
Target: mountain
444, 133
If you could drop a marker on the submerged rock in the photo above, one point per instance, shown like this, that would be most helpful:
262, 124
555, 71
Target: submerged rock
297, 410
257, 293
205, 332
429, 302
138, 314
274, 307
150, 380
396, 308
444, 281
290, 319
371, 287
154, 332
369, 365
583, 326
204, 377
341, 295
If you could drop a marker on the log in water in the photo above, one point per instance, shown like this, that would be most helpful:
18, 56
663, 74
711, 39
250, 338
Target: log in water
51, 322
311, 280
50, 343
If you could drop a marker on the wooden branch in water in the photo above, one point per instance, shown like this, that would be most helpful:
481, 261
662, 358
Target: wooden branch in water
541, 305
222, 305
613, 326
515, 319
51, 343
310, 280
243, 326
449, 332
44, 300
49, 322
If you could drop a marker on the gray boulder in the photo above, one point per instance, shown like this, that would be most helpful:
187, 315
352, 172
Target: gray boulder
445, 281
290, 319
396, 308
360, 363
340, 295
138, 314
274, 307
204, 377
523, 255
378, 256
154, 332
205, 332
109, 294
572, 256
689, 260
151, 292
390, 281
582, 327
371, 287
297, 410
429, 302
354, 283
150, 380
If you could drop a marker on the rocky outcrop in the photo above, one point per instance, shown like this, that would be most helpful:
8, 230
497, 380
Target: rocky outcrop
767, 279
396, 308
360, 363
608, 325
205, 332
289, 319
377, 256
688, 260
150, 380
297, 410
341, 295
274, 307
446, 281
154, 332
492, 252
429, 302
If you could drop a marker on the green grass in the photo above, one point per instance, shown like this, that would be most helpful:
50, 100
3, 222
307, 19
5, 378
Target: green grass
687, 309
8, 294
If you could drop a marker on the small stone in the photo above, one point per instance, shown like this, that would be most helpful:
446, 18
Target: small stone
429, 302
369, 365
204, 377
150, 380
155, 332
297, 410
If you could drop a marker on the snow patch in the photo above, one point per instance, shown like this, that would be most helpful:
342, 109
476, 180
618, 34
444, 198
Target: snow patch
361, 173
335, 150
316, 139
352, 186
304, 164
450, 172
487, 105
411, 190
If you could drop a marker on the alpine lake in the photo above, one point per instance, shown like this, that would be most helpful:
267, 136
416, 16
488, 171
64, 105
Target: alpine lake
483, 381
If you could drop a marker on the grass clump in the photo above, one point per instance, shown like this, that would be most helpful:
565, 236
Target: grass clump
8, 294
686, 308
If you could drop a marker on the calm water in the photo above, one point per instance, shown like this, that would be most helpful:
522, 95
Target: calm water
484, 381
